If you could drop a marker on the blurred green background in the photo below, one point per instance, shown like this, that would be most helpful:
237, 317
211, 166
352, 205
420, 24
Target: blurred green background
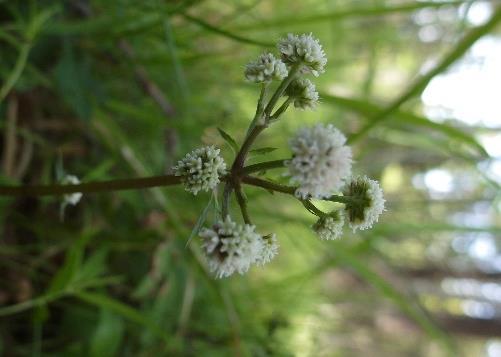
115, 89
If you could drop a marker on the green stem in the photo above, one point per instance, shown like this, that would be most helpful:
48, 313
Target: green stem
342, 199
258, 128
313, 209
240, 159
281, 110
91, 187
262, 166
281, 89
272, 186
242, 203
225, 207
259, 108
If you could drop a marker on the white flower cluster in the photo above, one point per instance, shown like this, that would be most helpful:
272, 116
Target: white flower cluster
71, 198
321, 161
201, 169
304, 93
364, 212
270, 249
265, 69
304, 49
231, 247
329, 228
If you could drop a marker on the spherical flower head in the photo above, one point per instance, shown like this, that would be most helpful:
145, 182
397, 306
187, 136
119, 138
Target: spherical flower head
265, 69
201, 169
329, 228
270, 249
71, 198
304, 93
320, 161
231, 247
368, 203
305, 50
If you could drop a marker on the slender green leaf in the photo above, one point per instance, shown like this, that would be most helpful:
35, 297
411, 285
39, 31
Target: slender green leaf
262, 151
17, 71
93, 267
99, 172
109, 25
132, 111
29, 304
175, 59
366, 109
229, 140
422, 81
430, 227
225, 33
201, 220
121, 309
67, 273
108, 336
348, 14
74, 81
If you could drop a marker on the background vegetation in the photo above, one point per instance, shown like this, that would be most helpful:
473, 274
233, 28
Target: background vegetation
114, 89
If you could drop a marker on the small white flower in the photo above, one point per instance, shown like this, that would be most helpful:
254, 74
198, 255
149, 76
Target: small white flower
265, 69
329, 228
304, 93
270, 249
201, 169
231, 247
71, 198
303, 49
320, 161
369, 204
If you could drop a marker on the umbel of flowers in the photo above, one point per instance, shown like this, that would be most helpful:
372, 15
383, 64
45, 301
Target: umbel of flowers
319, 167
330, 227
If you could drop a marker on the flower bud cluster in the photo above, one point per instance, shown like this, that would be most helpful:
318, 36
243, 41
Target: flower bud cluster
330, 227
265, 69
270, 249
303, 93
368, 202
231, 247
320, 161
304, 50
201, 169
